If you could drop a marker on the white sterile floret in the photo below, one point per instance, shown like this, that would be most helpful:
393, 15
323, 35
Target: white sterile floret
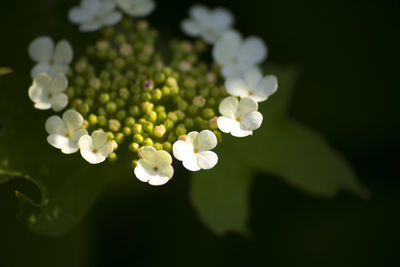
239, 118
51, 60
136, 8
94, 14
95, 148
47, 92
206, 23
154, 167
236, 55
194, 150
65, 133
252, 85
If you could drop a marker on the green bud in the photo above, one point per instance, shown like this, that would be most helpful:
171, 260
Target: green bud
124, 93
112, 157
85, 124
110, 135
92, 119
102, 111
199, 101
121, 114
147, 142
138, 138
218, 134
120, 38
147, 106
212, 123
129, 121
119, 138
182, 105
172, 137
208, 113
156, 94
70, 92
159, 78
79, 81
190, 93
134, 164
180, 130
166, 90
83, 109
114, 125
148, 127
104, 98
148, 85
120, 102
151, 116
133, 147
192, 110
211, 102
161, 116
146, 96
95, 83
181, 115
189, 123
172, 116
204, 92
159, 108
90, 92
216, 91
168, 123
134, 110
167, 146
159, 131
101, 120
111, 107
137, 128
127, 131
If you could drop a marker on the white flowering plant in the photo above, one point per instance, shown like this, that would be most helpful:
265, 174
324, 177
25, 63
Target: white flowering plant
122, 103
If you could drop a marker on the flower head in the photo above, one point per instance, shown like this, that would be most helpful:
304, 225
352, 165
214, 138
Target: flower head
206, 23
95, 148
51, 60
236, 55
252, 85
47, 92
154, 167
239, 118
94, 14
65, 133
194, 150
136, 8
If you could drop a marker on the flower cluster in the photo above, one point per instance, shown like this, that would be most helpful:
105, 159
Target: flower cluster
123, 92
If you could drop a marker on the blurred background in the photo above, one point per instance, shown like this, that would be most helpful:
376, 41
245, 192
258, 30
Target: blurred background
347, 56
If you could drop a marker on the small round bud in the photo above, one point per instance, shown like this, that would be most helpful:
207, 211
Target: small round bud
189, 123
159, 78
180, 130
83, 109
95, 83
120, 102
137, 128
211, 102
147, 142
204, 92
192, 110
142, 25
151, 116
102, 111
159, 131
81, 65
172, 137
112, 157
181, 115
146, 96
218, 134
127, 131
134, 164
138, 138
185, 66
111, 107
114, 125
85, 124
172, 116
119, 138
124, 93
133, 147
199, 101
158, 146
161, 116
208, 113
167, 146
134, 110
168, 123
147, 106
148, 85
92, 119
120, 38
166, 90
213, 123
129, 121
148, 127
156, 94
189, 82
104, 98
110, 135
121, 114
182, 105
101, 120
125, 49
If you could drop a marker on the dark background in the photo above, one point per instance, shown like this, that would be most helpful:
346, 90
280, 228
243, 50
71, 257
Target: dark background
347, 55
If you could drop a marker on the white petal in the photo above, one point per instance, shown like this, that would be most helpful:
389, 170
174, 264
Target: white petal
191, 163
55, 126
221, 18
226, 125
73, 145
85, 142
41, 49
252, 78
90, 26
226, 49
190, 27
72, 119
206, 140
99, 138
58, 68
236, 87
153, 177
42, 105
57, 141
236, 69
91, 7
148, 153
37, 93
59, 83
40, 69
251, 121
246, 105
59, 102
163, 158
63, 52
112, 18
106, 6
106, 149
181, 150
267, 87
207, 159
253, 50
238, 132
92, 158
78, 15
229, 107
199, 12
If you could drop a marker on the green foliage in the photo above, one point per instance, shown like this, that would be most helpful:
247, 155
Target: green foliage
281, 147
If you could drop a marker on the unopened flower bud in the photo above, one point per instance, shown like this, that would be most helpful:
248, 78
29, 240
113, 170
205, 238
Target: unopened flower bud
199, 101
121, 114
110, 135
185, 66
159, 131
167, 146
158, 146
137, 128
119, 138
129, 121
189, 123
168, 123
180, 130
213, 123
151, 116
148, 127
125, 49
112, 157
156, 94
101, 120
133, 147
114, 125
208, 113
148, 142
218, 135
148, 85
111, 107
138, 138
159, 77
134, 110
124, 93
172, 137
95, 83
172, 116
81, 65
127, 131
92, 119
147, 106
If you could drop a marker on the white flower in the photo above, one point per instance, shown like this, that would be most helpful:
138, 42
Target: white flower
206, 23
94, 14
96, 148
194, 150
236, 55
47, 92
239, 118
154, 167
50, 60
65, 133
252, 85
136, 8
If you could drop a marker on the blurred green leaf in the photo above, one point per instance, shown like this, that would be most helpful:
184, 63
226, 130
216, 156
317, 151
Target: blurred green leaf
5, 70
281, 147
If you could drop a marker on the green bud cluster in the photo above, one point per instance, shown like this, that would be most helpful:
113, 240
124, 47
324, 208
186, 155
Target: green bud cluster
124, 87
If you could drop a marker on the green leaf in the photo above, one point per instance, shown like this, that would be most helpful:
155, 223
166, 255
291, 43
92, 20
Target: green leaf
5, 70
281, 147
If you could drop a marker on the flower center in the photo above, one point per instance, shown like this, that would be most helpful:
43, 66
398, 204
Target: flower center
51, 62
132, 6
238, 119
235, 60
251, 93
155, 168
195, 151
94, 151
50, 95
68, 135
